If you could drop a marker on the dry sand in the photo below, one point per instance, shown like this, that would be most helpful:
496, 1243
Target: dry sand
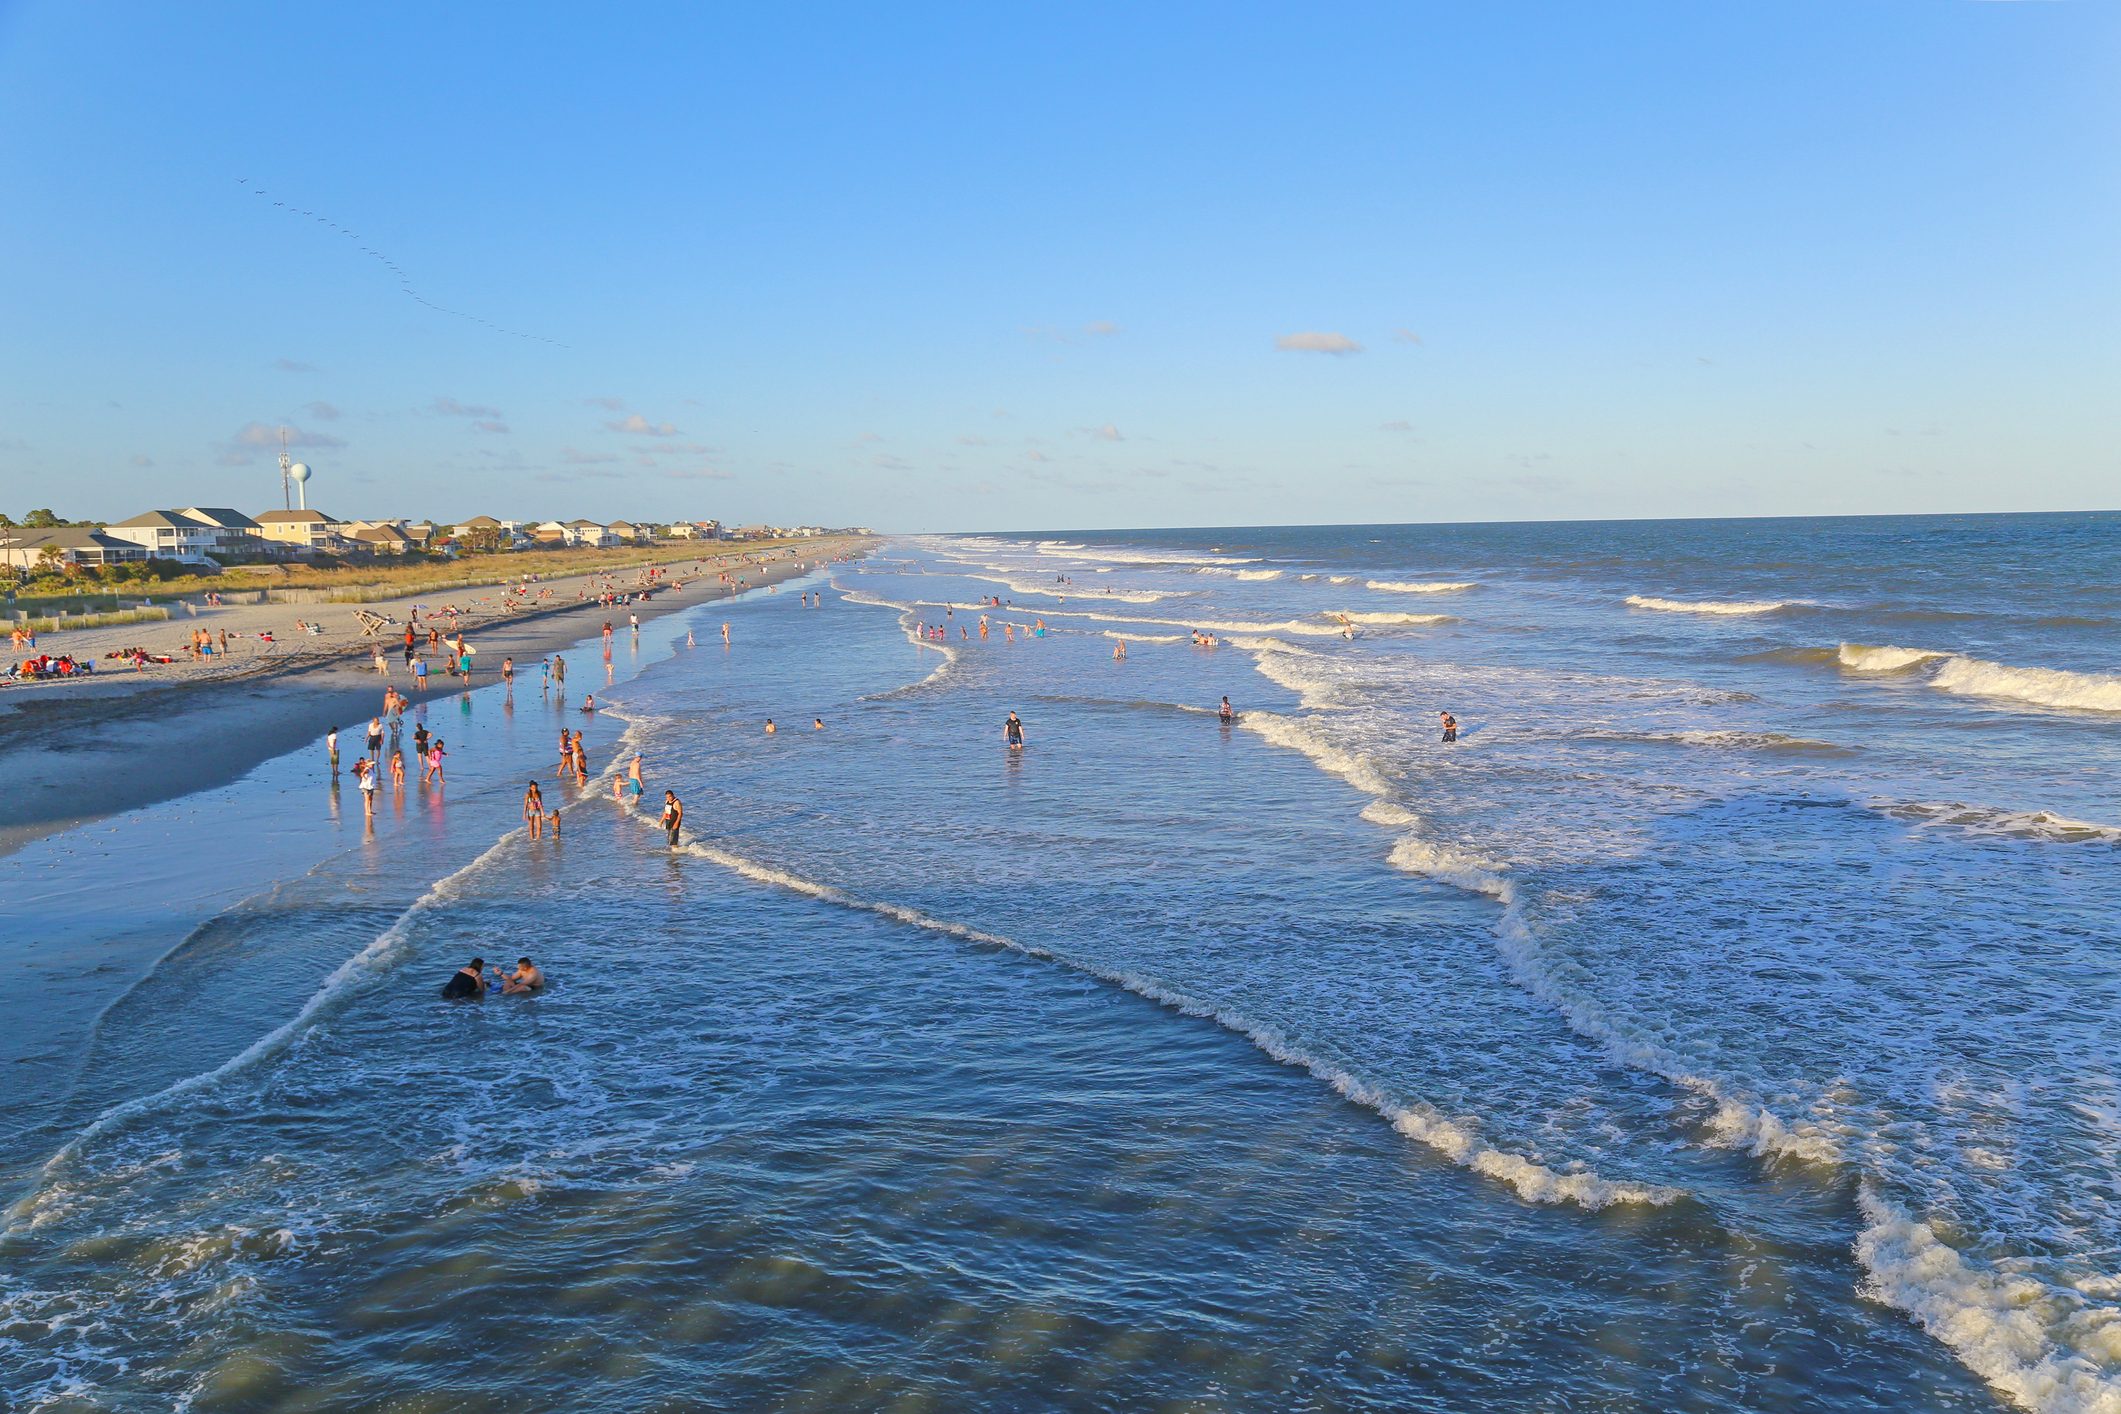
77, 751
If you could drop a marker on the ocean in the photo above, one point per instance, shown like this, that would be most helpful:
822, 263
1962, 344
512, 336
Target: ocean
1729, 1018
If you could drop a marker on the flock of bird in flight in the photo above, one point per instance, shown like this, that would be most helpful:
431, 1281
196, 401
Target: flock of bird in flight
404, 284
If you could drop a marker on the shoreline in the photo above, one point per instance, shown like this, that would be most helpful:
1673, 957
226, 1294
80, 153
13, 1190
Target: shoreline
72, 753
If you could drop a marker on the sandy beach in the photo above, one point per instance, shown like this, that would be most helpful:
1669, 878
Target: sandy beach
82, 750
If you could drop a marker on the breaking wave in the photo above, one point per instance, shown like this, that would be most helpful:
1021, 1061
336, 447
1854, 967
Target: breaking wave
1707, 606
1357, 617
1863, 658
1069, 591
1401, 586
2045, 1349
1977, 677
1996, 820
1144, 557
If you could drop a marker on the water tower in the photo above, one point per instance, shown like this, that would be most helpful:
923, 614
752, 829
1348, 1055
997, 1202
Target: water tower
299, 474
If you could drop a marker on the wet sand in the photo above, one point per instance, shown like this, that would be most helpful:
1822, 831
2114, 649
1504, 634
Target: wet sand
79, 751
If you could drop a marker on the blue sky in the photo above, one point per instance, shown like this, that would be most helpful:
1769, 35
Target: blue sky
980, 266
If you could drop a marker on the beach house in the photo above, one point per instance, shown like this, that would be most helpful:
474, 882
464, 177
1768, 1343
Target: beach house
592, 534
66, 545
169, 535
625, 532
303, 530
482, 533
378, 537
235, 535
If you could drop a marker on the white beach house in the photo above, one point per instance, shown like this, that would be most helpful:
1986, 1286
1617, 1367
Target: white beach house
169, 535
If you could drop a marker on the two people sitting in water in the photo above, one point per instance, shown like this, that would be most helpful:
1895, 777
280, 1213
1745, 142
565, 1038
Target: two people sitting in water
469, 982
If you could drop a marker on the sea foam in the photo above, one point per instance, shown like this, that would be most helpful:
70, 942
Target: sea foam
1430, 586
2045, 1349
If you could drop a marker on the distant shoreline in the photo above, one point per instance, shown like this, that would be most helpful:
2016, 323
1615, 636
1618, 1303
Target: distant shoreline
78, 752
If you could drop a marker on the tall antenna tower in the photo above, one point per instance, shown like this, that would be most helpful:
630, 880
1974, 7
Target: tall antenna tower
287, 498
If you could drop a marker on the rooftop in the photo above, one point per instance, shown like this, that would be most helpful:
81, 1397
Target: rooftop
175, 519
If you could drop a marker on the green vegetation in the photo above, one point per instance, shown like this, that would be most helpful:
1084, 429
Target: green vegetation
41, 519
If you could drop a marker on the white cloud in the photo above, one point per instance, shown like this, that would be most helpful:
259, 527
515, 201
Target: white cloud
635, 425
1314, 341
143, 460
575, 457
1107, 433
697, 473
608, 404
450, 407
489, 425
1100, 328
1406, 336
255, 437
968, 440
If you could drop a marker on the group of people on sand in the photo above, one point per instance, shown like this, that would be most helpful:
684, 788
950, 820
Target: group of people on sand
45, 666
454, 654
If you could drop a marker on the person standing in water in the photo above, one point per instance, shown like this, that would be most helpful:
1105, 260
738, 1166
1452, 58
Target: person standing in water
559, 672
534, 810
1225, 713
725, 635
1013, 733
1450, 726
331, 748
673, 817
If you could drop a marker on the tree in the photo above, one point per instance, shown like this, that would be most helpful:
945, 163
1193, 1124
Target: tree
41, 520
